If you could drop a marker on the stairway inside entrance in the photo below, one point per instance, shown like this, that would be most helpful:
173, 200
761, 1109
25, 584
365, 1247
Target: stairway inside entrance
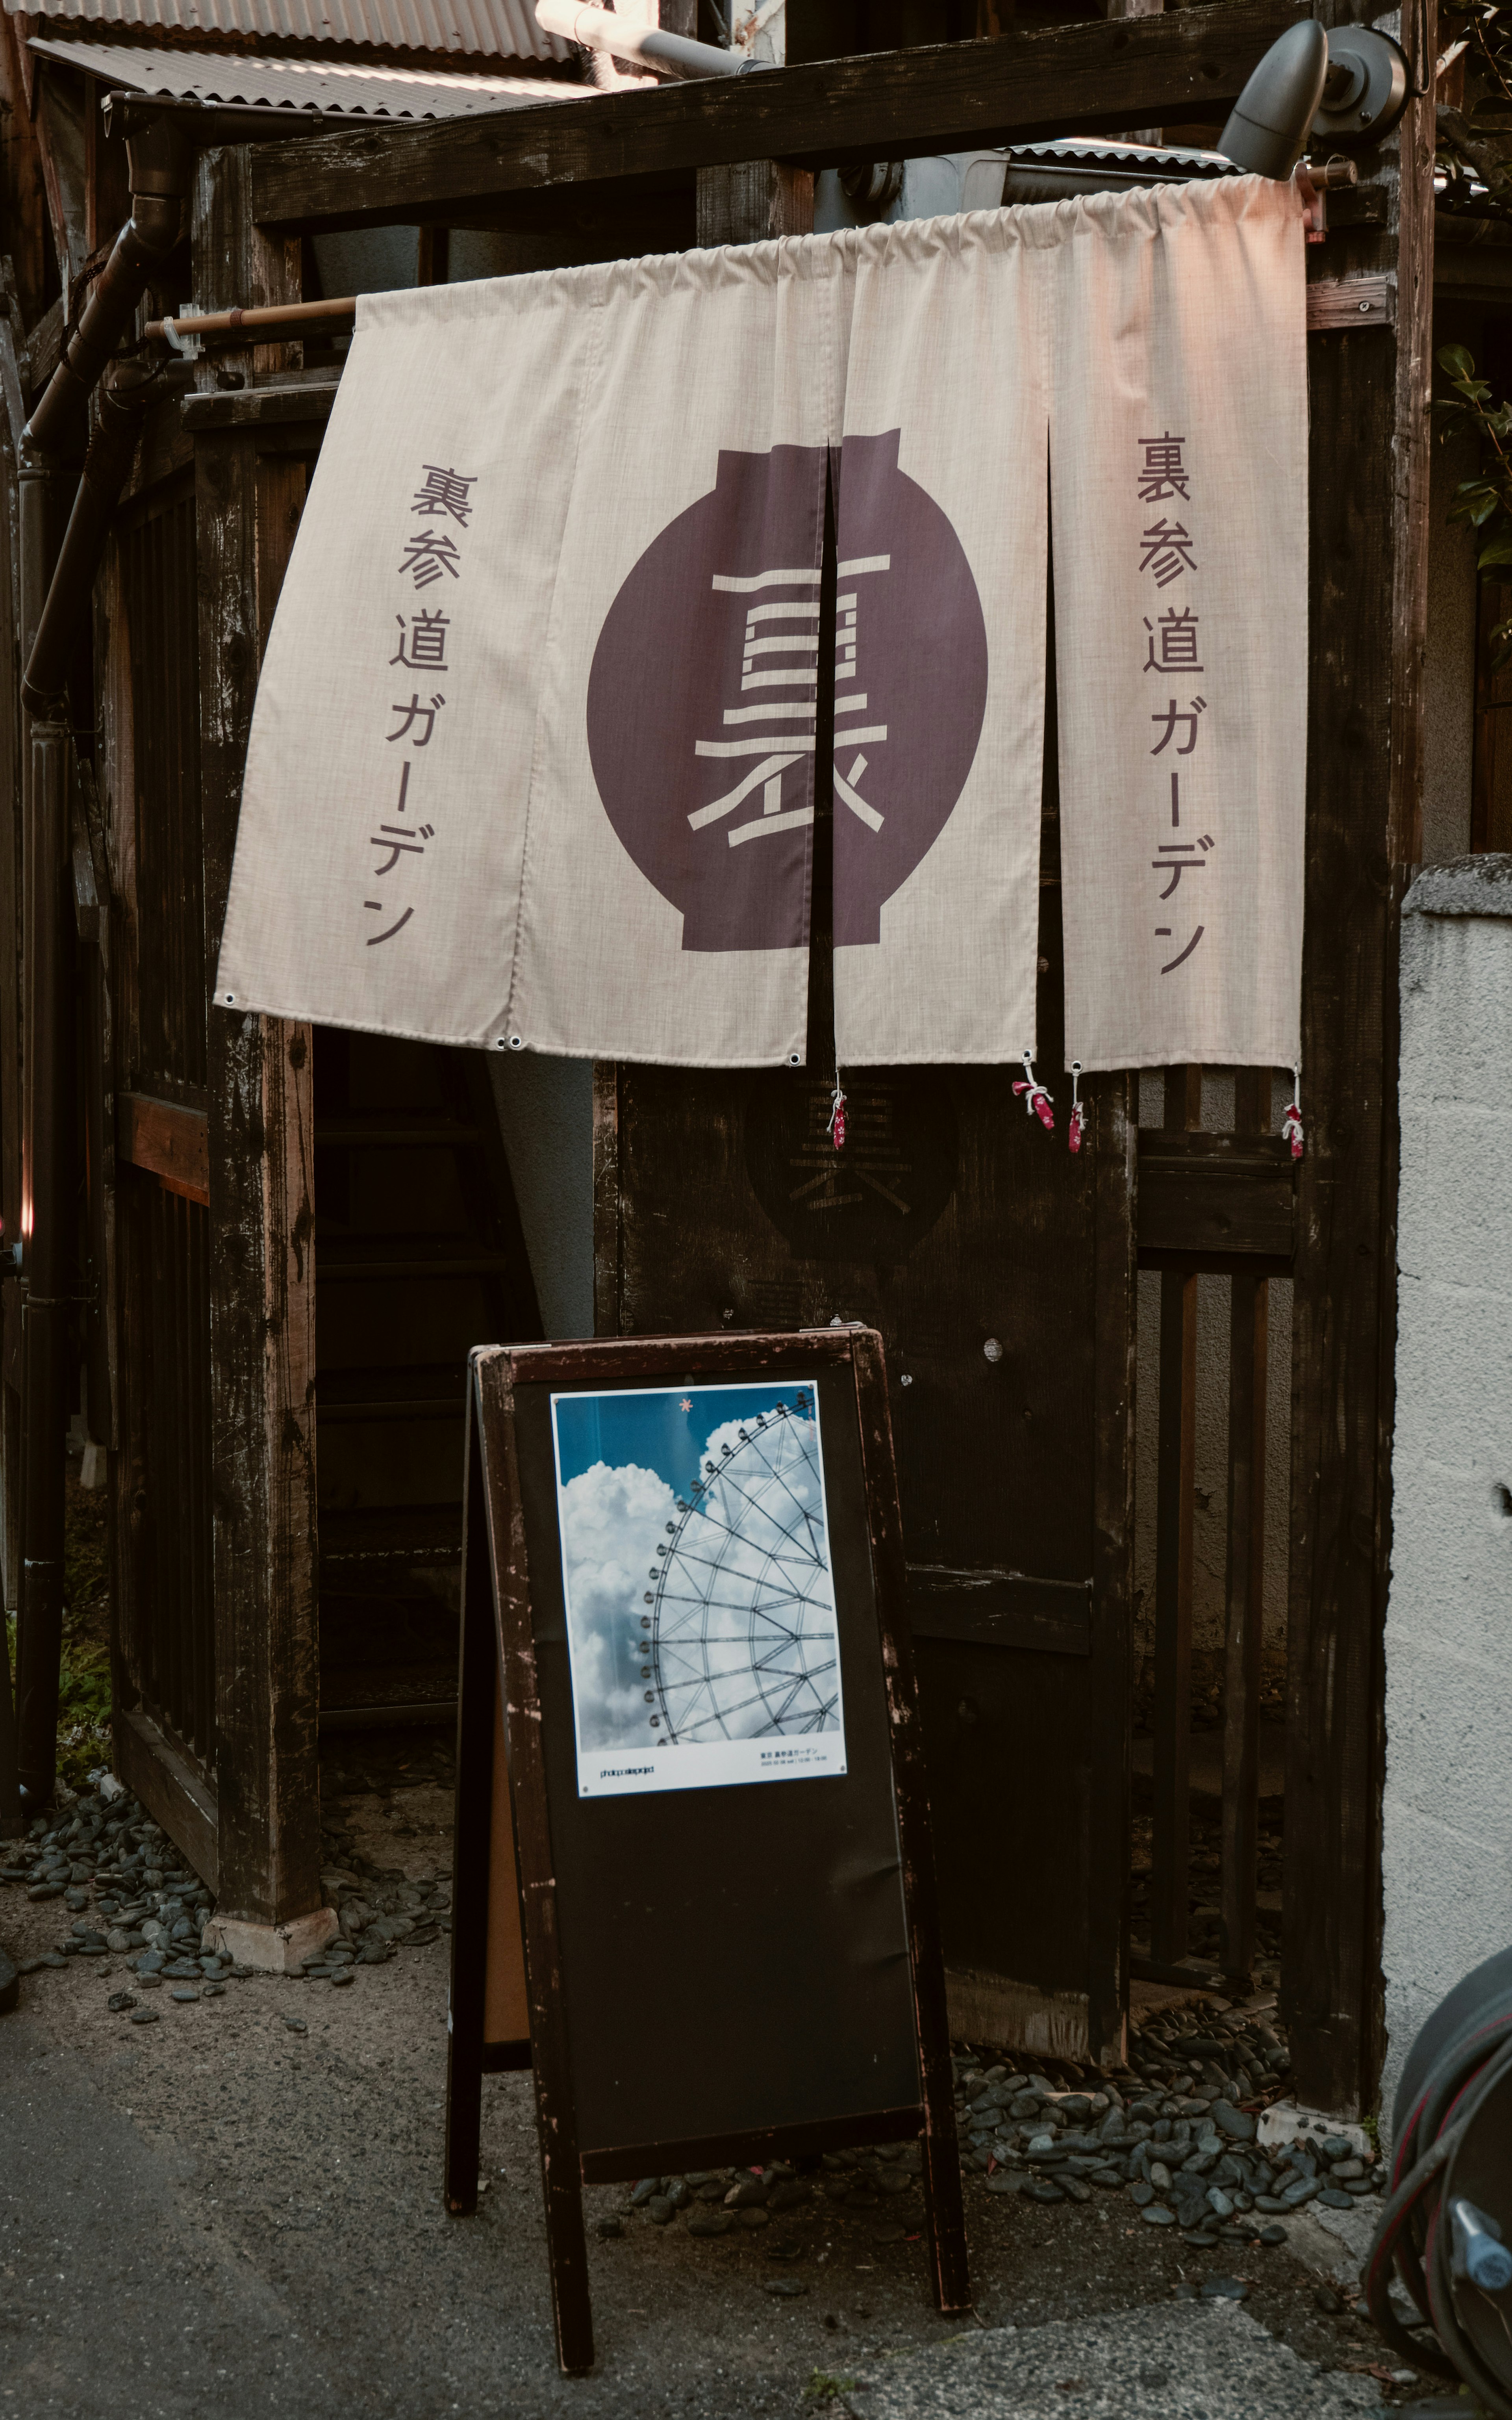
419, 1256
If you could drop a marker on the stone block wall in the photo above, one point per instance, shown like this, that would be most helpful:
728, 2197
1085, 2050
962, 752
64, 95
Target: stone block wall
1447, 1836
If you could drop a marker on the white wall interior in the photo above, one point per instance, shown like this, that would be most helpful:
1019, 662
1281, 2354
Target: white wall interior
545, 1114
1447, 1818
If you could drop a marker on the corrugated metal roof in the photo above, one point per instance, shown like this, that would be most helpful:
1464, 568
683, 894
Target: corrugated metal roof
496, 29
323, 85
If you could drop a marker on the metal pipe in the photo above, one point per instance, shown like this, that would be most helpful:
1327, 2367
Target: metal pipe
47, 1229
123, 405
161, 158
160, 161
598, 29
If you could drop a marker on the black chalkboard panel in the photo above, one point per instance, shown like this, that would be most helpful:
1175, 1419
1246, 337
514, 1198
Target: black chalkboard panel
683, 1566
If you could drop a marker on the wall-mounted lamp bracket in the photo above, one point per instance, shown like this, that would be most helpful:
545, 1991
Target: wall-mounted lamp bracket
1366, 88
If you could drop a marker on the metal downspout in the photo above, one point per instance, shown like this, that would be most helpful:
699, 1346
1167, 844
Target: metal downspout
161, 158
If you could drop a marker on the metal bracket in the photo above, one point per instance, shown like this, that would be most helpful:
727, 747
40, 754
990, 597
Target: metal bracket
191, 348
1366, 88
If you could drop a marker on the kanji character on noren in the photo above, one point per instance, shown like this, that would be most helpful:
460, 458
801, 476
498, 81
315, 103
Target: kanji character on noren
1173, 642
444, 491
1167, 551
1170, 718
424, 637
414, 712
427, 556
1162, 932
1179, 857
374, 939
1164, 473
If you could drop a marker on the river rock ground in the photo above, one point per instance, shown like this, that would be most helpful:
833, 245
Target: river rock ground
234, 2208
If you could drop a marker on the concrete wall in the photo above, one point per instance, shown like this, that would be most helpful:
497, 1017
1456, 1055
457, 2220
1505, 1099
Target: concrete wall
1447, 1844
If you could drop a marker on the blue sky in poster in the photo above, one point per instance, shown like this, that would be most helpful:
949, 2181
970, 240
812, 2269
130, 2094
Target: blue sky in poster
741, 1644
652, 1429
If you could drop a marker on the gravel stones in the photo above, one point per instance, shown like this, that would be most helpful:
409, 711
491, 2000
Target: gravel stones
790, 2194
144, 2016
296, 2024
1236, 2123
705, 2221
661, 2208
120, 2004
1157, 2215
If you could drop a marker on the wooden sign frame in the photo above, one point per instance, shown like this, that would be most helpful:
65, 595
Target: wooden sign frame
509, 1995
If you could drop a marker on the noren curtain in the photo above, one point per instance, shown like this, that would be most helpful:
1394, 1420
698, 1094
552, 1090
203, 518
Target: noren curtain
535, 746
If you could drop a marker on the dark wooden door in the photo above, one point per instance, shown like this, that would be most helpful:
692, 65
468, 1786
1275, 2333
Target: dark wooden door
998, 1269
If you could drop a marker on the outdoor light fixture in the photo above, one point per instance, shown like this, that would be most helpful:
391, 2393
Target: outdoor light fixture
1351, 85
1272, 116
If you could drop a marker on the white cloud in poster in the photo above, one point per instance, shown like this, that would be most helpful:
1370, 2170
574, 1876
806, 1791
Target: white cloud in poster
612, 1521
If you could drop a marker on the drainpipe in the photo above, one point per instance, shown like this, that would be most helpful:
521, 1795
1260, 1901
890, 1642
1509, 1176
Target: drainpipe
161, 156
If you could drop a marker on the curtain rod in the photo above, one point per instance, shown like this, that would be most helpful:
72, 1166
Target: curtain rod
182, 332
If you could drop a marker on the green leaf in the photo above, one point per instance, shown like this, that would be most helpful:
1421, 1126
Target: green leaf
1458, 360
1496, 550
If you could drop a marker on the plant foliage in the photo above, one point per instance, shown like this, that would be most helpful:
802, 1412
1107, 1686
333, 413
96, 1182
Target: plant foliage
1485, 501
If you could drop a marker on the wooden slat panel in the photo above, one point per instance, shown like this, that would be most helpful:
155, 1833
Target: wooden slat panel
168, 1142
1177, 69
173, 1792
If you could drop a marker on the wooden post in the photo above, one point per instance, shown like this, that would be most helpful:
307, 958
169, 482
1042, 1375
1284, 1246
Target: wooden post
1139, 8
261, 1185
1367, 614
753, 200
1248, 1318
1177, 1460
1115, 1133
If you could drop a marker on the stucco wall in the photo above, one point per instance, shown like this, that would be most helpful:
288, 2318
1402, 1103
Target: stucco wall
1447, 1842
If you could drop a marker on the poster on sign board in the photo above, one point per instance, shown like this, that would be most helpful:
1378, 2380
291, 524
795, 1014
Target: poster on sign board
697, 1573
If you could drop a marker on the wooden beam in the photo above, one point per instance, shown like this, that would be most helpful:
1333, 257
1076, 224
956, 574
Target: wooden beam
1098, 76
1367, 614
261, 1170
1206, 1196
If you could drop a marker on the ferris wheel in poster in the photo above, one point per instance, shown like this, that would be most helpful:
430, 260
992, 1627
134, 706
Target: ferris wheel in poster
743, 1640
